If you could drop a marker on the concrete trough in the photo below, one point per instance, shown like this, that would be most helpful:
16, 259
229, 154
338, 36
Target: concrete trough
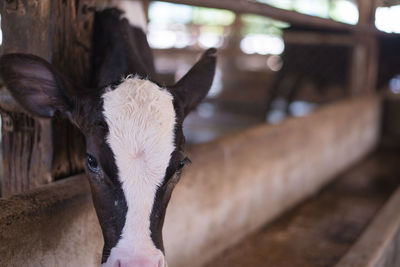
235, 185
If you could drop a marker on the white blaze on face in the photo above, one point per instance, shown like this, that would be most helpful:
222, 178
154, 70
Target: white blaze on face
141, 121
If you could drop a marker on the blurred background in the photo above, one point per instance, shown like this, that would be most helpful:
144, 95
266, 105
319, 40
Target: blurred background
267, 69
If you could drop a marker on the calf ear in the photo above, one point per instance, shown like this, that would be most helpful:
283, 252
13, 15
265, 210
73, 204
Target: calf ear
194, 86
35, 84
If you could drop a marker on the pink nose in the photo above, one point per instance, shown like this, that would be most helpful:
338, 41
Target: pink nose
140, 262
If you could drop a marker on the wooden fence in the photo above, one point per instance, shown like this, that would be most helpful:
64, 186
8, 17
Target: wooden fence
39, 151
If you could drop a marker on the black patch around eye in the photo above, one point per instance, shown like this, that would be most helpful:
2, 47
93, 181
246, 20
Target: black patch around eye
92, 163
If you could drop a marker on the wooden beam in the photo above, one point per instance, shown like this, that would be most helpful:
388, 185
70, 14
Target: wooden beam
246, 6
366, 10
364, 73
25, 141
388, 3
311, 38
71, 45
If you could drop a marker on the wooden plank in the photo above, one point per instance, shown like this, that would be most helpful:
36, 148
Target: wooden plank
373, 64
359, 66
71, 55
37, 151
379, 246
311, 38
388, 3
372, 45
26, 149
364, 73
366, 10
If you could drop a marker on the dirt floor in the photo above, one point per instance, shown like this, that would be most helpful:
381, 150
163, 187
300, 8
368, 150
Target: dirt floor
319, 231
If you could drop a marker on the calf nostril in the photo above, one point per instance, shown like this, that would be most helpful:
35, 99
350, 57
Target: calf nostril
117, 263
161, 263
142, 263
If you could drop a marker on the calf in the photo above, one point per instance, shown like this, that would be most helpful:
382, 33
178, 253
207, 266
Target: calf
328, 65
389, 59
132, 126
324, 65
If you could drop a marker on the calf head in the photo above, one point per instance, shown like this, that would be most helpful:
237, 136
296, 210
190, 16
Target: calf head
134, 145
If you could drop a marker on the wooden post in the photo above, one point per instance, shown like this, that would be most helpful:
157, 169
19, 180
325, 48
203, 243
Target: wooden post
363, 77
37, 151
71, 55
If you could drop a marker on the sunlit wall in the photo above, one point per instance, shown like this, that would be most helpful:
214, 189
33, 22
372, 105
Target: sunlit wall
387, 19
262, 35
180, 26
340, 10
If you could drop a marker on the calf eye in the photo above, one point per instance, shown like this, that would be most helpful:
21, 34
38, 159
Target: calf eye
183, 162
92, 163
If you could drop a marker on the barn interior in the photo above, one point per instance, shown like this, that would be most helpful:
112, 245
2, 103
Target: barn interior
294, 150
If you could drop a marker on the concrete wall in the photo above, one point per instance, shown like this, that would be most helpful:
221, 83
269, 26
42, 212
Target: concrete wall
238, 183
234, 186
